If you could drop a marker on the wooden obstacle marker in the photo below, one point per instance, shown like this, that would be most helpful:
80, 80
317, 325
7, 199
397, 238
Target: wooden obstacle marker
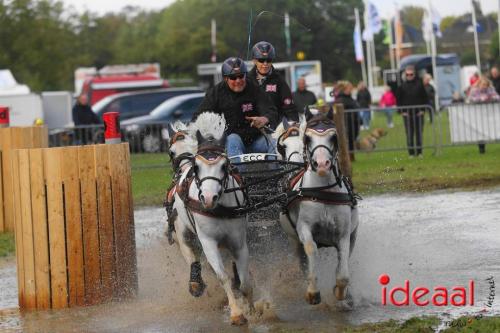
74, 224
15, 138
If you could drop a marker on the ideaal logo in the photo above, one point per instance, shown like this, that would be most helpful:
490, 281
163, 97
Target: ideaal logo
423, 296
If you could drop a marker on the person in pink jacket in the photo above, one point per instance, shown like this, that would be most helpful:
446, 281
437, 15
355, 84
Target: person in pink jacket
388, 101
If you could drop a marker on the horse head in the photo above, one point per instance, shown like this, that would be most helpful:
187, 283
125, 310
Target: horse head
182, 145
289, 140
320, 142
210, 164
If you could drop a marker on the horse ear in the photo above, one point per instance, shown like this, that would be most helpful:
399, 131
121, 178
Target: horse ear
170, 130
199, 137
286, 126
308, 114
329, 115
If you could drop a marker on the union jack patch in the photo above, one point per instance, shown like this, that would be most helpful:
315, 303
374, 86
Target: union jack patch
271, 88
247, 107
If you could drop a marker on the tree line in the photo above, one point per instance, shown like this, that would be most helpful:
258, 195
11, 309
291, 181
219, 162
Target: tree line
42, 42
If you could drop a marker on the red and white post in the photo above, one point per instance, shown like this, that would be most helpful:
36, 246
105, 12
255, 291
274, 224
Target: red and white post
4, 116
112, 127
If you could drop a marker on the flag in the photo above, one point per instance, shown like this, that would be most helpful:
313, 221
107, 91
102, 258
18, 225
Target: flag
374, 23
431, 22
479, 28
287, 35
358, 45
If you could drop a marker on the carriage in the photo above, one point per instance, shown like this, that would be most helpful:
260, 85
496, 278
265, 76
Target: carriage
217, 200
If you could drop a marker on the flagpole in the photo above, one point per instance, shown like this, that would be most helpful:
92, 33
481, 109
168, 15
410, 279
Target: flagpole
213, 40
358, 24
397, 27
498, 21
374, 63
368, 49
434, 55
391, 45
476, 42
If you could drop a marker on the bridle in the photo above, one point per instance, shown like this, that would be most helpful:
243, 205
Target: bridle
177, 160
290, 132
322, 126
210, 154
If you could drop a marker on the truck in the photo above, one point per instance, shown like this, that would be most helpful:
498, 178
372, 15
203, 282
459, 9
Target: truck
114, 79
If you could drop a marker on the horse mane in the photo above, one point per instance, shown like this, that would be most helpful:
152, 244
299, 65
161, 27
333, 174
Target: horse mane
209, 124
190, 143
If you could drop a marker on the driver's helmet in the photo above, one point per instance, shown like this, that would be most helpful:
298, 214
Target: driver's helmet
233, 66
263, 50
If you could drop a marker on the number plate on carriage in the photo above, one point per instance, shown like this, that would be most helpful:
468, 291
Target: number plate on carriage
252, 157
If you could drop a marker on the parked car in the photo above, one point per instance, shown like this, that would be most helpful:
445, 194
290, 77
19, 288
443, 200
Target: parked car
138, 103
145, 133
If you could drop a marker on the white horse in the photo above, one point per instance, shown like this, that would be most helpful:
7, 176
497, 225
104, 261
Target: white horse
181, 148
207, 214
324, 213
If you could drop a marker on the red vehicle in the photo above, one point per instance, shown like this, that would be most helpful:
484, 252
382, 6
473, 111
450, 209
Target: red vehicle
116, 79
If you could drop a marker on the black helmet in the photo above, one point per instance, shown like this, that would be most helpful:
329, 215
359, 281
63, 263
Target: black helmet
263, 50
233, 65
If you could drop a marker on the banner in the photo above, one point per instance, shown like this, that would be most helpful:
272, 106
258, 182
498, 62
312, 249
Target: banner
358, 44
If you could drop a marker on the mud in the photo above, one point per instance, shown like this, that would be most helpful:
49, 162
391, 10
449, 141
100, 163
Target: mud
434, 239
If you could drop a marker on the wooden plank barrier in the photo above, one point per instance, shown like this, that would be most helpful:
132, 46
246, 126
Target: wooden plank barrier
74, 226
15, 138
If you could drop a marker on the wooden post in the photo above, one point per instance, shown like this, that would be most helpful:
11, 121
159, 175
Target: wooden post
15, 138
345, 161
74, 225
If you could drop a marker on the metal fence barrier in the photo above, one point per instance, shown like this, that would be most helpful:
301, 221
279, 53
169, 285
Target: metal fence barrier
408, 128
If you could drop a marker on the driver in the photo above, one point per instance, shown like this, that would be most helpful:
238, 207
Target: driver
271, 82
246, 108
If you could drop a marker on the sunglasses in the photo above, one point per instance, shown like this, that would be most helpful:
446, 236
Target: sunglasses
265, 60
236, 77
410, 74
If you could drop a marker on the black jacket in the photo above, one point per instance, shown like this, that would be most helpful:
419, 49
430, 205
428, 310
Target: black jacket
235, 107
278, 91
364, 98
301, 99
83, 115
351, 119
412, 93
496, 84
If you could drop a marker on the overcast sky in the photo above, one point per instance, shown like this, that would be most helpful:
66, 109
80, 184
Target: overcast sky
386, 7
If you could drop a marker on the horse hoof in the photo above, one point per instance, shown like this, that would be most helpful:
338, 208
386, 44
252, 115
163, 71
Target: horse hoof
238, 320
340, 293
196, 288
313, 298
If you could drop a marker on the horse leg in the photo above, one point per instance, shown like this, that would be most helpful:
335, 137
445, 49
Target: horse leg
242, 273
291, 233
214, 258
313, 295
342, 274
192, 256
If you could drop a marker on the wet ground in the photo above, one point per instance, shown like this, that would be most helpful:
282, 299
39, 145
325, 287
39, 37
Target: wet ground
432, 239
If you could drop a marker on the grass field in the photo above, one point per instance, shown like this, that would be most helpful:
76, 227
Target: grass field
6, 244
373, 173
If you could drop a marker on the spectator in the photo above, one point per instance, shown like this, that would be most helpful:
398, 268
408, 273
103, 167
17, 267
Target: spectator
473, 79
411, 92
82, 112
351, 119
82, 116
495, 78
364, 99
388, 101
482, 92
431, 94
303, 97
